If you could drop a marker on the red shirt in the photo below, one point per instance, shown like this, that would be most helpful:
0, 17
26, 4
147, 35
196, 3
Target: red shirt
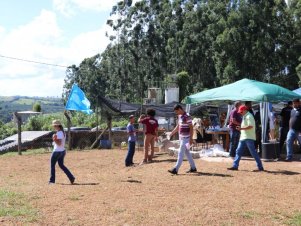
151, 125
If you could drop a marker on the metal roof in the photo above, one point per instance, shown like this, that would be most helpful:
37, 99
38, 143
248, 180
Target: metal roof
28, 136
163, 110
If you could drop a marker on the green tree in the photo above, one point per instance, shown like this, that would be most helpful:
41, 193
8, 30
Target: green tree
183, 82
215, 42
37, 107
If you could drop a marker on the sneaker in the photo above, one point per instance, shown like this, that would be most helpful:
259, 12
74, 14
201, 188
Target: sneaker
173, 171
51, 183
232, 168
191, 170
288, 160
72, 180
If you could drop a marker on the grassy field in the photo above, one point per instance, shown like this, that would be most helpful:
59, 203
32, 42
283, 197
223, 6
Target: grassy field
8, 105
107, 193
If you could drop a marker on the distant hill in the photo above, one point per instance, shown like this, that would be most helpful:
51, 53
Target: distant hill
10, 104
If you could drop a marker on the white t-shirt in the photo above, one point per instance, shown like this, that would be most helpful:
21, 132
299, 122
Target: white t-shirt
60, 136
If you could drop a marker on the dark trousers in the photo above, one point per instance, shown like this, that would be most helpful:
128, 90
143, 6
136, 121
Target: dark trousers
283, 134
258, 144
58, 156
130, 154
234, 140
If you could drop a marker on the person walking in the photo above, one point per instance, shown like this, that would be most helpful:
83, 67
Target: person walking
185, 130
247, 138
284, 125
235, 120
151, 134
131, 141
294, 129
59, 152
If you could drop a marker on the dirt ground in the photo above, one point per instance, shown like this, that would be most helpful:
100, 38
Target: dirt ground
107, 193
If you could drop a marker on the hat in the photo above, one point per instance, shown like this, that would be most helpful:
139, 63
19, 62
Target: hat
56, 123
242, 108
131, 116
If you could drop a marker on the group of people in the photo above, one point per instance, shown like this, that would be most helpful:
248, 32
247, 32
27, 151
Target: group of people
242, 125
242, 134
184, 128
290, 127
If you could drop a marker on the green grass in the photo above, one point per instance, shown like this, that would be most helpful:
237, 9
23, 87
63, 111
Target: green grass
28, 152
16, 205
249, 215
295, 219
74, 197
25, 101
8, 105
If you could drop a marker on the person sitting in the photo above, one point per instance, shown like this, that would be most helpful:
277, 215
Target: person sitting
222, 119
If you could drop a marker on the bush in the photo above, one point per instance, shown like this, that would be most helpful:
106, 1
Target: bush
43, 123
7, 130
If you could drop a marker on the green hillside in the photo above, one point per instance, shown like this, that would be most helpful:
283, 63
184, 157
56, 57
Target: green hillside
10, 104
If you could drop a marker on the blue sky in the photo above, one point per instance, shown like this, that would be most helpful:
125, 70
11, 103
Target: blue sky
60, 32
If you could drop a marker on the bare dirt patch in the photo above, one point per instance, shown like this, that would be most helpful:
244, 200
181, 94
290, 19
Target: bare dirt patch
107, 193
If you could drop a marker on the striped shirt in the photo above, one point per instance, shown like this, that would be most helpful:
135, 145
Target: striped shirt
184, 121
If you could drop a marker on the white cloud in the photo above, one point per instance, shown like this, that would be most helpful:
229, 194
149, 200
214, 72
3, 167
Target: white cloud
70, 7
2, 30
88, 44
43, 40
51, 86
29, 42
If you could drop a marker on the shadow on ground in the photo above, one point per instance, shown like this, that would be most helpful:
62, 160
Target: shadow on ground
206, 174
84, 184
283, 172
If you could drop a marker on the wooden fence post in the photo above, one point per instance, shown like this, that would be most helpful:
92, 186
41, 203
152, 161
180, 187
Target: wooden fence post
69, 131
19, 123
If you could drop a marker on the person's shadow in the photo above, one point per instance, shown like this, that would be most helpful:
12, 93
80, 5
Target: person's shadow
283, 172
206, 174
83, 184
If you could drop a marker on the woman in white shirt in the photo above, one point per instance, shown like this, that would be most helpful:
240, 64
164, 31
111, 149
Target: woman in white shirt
59, 152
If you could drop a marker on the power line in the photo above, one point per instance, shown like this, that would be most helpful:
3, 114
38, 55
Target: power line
32, 61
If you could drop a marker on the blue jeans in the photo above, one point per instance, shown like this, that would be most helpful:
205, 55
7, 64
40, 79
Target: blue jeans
292, 135
183, 149
234, 140
130, 154
58, 156
240, 149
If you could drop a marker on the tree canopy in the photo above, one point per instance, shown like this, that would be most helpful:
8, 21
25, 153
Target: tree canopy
205, 43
